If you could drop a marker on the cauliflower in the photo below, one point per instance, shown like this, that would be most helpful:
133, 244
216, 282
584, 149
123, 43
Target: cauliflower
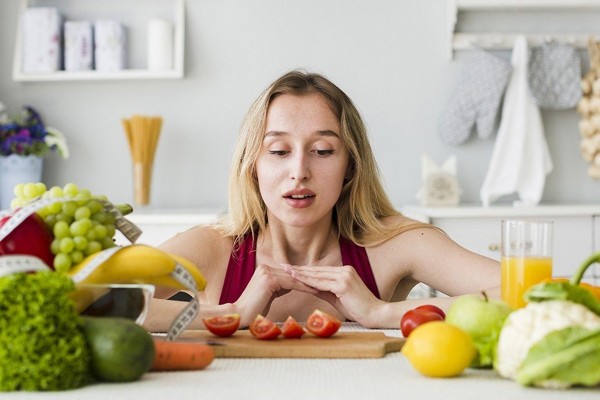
527, 326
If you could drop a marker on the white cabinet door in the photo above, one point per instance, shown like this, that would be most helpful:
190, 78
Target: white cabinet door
572, 239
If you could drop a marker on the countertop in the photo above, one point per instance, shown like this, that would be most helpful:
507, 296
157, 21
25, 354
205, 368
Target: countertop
390, 377
478, 211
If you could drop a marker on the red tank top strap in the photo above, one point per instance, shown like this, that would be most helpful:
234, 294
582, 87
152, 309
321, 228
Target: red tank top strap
355, 255
240, 269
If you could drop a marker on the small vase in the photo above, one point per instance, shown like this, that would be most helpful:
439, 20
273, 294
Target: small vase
15, 169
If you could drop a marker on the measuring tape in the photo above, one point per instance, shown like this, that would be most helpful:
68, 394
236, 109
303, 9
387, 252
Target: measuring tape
191, 310
17, 264
131, 231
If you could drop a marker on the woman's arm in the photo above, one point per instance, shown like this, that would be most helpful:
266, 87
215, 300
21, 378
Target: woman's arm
421, 255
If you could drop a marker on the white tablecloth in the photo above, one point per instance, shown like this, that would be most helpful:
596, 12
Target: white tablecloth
390, 377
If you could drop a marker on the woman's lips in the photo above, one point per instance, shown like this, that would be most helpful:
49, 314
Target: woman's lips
300, 201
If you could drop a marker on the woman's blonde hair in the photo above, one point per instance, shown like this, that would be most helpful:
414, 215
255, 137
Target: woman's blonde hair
363, 202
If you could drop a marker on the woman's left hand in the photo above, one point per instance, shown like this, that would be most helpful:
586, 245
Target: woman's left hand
342, 288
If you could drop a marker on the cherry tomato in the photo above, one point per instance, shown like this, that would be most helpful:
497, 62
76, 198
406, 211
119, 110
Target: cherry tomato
223, 325
431, 307
322, 324
413, 318
292, 329
263, 328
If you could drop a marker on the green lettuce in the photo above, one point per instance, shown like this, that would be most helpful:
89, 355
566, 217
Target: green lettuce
42, 344
563, 358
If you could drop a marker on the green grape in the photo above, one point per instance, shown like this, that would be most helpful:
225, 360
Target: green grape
110, 230
69, 208
79, 228
18, 190
55, 208
50, 220
66, 245
29, 191
76, 256
91, 235
61, 230
81, 242
62, 262
77, 218
101, 231
55, 246
55, 192
82, 212
107, 242
95, 206
93, 247
40, 188
99, 216
70, 190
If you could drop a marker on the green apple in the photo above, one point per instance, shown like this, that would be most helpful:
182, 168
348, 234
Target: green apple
482, 318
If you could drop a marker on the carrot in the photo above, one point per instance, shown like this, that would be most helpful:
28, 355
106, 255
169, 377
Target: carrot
178, 356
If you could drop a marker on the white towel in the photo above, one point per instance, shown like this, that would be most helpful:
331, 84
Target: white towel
520, 159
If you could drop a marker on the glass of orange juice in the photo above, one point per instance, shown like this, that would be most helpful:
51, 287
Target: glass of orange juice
526, 257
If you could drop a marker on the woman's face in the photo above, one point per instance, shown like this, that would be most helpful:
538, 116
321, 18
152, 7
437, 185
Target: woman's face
302, 162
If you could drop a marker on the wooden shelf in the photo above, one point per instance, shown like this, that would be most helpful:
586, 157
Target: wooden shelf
177, 72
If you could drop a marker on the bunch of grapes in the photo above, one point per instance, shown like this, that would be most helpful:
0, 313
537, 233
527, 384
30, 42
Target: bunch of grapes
80, 223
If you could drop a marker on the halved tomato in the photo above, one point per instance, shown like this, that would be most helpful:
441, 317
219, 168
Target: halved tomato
292, 329
322, 324
264, 328
223, 325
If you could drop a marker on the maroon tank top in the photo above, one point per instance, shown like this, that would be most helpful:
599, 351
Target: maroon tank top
242, 264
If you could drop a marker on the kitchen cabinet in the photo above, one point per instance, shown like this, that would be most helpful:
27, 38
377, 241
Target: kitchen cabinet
134, 14
158, 225
576, 230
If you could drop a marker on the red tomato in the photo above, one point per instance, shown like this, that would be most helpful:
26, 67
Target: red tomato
264, 328
292, 329
431, 307
223, 325
413, 318
322, 324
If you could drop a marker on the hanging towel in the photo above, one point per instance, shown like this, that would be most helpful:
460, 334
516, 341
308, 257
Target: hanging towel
520, 159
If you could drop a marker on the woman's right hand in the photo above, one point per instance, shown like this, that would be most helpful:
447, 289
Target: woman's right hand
266, 285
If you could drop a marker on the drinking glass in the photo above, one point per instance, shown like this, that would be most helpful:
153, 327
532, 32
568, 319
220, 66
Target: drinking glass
526, 257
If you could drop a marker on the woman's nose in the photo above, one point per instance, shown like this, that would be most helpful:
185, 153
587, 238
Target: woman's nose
299, 170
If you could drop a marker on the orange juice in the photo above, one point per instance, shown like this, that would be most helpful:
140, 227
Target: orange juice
519, 273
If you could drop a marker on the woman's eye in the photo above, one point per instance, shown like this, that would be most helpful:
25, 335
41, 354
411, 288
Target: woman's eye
324, 152
278, 152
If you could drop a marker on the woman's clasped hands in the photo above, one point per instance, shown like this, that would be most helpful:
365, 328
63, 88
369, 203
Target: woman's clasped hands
340, 286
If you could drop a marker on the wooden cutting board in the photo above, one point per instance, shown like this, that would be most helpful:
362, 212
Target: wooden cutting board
341, 345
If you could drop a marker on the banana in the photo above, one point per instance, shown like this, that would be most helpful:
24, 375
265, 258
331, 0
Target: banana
135, 263
192, 269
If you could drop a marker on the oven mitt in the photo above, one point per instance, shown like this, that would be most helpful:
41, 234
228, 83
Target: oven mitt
555, 75
477, 98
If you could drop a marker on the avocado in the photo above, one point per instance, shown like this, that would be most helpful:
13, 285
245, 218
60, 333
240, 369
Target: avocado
120, 350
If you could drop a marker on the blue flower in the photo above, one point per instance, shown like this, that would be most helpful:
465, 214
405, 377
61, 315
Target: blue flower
26, 135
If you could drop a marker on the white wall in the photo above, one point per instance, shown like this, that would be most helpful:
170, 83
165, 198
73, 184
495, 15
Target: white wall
388, 55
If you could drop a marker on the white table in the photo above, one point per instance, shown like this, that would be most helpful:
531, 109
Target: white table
390, 377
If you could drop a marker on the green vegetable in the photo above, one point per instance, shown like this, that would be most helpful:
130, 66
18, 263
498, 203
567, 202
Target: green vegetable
563, 358
567, 290
42, 345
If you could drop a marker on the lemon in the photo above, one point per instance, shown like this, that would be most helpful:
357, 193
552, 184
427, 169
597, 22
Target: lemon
439, 349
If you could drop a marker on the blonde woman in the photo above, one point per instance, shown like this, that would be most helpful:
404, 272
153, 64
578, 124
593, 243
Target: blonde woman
310, 226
